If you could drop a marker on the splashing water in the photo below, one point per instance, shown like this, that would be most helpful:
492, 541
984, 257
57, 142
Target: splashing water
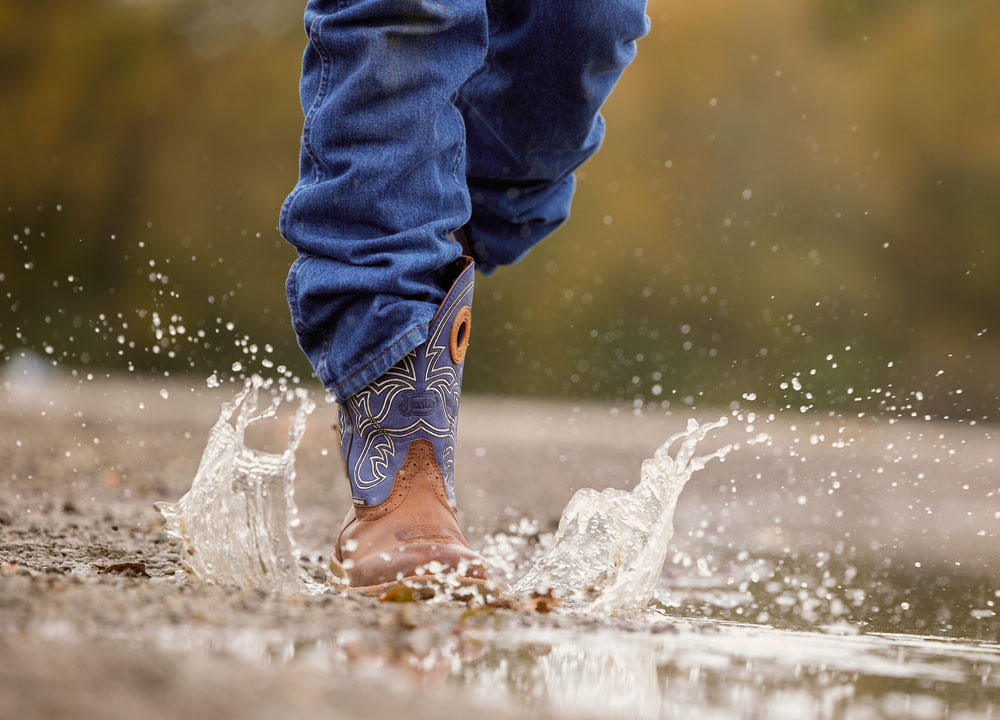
235, 522
609, 549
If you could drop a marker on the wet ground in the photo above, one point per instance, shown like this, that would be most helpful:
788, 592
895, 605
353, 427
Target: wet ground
846, 570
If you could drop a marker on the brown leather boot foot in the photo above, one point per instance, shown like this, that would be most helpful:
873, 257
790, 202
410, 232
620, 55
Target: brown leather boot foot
412, 538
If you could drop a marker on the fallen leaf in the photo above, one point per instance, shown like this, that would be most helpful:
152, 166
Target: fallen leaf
405, 594
538, 602
129, 569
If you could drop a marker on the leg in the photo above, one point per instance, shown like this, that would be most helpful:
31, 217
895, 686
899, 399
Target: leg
382, 181
532, 114
380, 300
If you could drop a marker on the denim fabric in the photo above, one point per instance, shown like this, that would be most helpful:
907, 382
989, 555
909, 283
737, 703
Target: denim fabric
422, 117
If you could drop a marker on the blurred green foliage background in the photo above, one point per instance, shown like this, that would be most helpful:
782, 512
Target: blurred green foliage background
788, 188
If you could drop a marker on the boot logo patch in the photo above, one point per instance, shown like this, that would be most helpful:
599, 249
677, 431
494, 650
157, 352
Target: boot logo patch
418, 404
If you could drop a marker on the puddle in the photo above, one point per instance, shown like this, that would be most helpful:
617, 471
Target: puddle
629, 640
667, 668
711, 669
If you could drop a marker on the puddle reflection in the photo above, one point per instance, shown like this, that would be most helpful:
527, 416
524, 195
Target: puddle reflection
669, 669
720, 670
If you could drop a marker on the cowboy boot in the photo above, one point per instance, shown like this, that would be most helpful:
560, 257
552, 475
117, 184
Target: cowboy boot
397, 439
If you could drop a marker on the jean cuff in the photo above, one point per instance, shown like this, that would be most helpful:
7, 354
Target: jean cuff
373, 367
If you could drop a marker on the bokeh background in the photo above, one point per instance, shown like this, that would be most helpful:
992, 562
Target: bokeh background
797, 201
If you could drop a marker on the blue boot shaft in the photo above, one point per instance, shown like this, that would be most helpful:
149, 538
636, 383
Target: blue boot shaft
417, 398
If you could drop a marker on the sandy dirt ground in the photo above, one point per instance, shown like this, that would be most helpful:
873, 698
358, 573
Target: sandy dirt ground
82, 463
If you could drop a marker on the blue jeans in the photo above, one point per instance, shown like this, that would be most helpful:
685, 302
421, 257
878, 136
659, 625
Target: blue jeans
421, 117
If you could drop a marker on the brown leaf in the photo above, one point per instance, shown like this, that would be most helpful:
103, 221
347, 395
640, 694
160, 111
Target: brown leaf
538, 602
406, 593
399, 594
129, 569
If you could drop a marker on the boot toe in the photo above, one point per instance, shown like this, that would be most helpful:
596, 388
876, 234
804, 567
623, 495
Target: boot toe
421, 561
